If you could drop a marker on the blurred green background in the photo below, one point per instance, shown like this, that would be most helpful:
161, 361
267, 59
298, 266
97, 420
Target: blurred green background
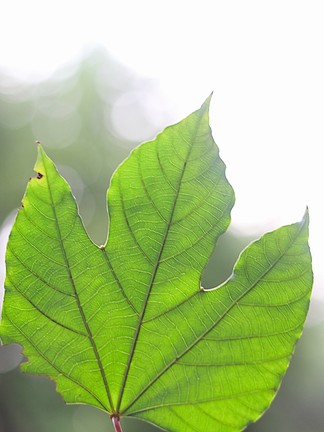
88, 117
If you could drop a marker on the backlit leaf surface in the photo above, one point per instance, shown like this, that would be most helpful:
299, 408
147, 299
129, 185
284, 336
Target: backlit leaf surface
126, 326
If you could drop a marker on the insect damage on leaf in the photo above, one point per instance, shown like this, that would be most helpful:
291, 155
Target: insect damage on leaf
126, 326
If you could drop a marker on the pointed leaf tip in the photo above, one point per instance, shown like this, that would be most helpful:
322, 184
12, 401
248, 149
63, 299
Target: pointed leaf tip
305, 219
40, 149
205, 106
42, 160
38, 167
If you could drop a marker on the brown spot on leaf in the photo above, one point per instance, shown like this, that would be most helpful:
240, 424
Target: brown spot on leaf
39, 176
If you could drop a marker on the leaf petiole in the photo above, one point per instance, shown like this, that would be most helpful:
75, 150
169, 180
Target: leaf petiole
116, 423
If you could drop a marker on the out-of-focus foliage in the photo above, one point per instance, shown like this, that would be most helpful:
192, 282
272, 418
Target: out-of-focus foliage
85, 116
77, 115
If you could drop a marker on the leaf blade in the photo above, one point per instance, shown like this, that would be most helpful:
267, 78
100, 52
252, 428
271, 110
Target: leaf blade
131, 330
253, 368
162, 198
48, 201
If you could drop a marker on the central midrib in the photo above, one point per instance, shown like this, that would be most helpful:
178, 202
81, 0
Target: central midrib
154, 272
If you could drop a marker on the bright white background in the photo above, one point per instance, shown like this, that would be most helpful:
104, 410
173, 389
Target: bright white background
263, 60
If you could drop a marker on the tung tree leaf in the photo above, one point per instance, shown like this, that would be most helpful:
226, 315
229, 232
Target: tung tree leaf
126, 327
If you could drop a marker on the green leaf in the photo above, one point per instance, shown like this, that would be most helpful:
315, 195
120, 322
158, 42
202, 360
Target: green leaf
126, 327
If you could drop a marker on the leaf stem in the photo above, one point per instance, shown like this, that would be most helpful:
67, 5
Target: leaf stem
116, 423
